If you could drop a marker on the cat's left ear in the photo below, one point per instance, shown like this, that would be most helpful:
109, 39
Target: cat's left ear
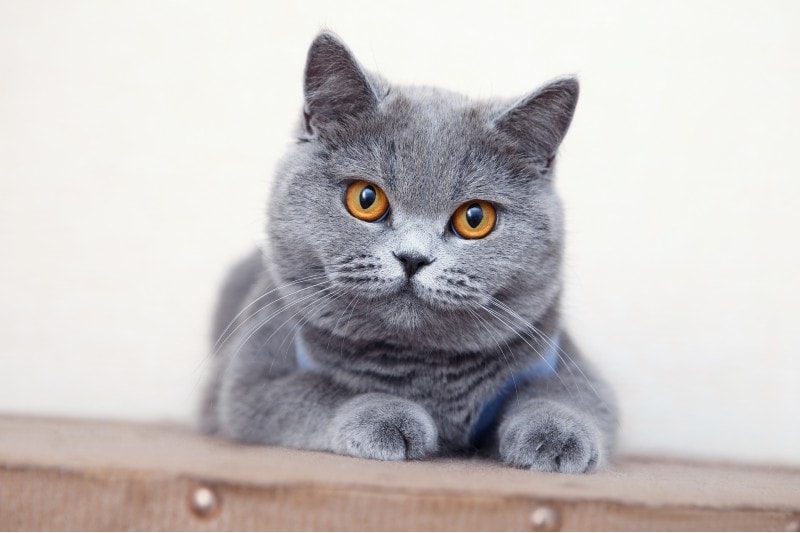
336, 88
540, 120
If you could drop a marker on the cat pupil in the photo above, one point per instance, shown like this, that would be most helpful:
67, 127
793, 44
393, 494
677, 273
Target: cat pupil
367, 197
474, 215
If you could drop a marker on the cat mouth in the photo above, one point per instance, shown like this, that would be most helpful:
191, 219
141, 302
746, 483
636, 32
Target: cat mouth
415, 293
410, 290
406, 288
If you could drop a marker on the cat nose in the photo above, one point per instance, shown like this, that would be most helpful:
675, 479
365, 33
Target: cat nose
412, 262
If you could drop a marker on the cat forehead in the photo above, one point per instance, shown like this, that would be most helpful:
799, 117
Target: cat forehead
434, 146
428, 113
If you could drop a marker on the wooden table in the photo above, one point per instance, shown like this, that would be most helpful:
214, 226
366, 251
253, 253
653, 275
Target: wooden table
71, 474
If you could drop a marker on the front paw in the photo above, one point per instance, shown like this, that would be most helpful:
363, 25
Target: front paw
381, 426
550, 437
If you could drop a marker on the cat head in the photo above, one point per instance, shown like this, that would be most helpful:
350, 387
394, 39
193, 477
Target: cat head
420, 213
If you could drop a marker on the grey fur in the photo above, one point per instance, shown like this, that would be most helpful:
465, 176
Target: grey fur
404, 364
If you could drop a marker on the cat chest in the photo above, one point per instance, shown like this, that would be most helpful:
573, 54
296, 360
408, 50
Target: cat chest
452, 391
454, 401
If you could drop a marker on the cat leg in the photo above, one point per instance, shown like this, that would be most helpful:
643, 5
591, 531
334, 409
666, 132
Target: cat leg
382, 426
562, 423
308, 410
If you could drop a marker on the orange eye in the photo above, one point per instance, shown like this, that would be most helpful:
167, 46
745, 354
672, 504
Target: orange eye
474, 220
366, 201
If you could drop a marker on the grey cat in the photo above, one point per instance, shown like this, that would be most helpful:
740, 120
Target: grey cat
406, 300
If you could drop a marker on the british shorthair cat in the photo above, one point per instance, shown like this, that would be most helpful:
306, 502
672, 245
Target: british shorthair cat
406, 301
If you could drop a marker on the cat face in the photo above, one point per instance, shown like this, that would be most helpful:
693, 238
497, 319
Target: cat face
416, 209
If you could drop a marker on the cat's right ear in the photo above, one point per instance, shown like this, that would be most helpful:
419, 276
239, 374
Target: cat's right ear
335, 88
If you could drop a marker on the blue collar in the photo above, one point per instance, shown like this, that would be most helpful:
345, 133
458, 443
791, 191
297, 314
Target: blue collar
544, 366
304, 361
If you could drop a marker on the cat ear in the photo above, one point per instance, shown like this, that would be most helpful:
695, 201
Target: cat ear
541, 120
336, 88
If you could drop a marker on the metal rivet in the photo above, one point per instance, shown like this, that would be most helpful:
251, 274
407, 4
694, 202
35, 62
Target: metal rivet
545, 519
203, 501
793, 525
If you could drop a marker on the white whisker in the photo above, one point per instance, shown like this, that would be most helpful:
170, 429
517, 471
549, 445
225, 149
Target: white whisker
536, 350
483, 323
347, 326
344, 312
272, 361
553, 346
245, 308
260, 309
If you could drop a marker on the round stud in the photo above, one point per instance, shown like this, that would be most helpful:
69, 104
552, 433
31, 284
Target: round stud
794, 525
545, 519
203, 501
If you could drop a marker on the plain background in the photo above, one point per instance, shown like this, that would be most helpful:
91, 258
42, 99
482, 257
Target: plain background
137, 141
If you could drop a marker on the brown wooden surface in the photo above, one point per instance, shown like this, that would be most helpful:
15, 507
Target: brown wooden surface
67, 474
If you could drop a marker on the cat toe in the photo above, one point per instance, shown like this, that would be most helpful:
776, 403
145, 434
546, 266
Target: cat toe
379, 426
550, 438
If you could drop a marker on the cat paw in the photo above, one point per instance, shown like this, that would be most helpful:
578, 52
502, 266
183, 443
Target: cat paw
381, 426
550, 437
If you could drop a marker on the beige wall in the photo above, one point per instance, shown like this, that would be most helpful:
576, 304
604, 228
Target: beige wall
137, 140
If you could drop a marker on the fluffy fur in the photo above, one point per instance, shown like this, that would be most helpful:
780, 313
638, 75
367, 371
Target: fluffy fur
404, 364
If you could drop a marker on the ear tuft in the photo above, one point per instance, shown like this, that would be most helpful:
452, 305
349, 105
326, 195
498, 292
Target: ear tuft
541, 120
336, 87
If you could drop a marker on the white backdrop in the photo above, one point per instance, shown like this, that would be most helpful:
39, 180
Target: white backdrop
137, 140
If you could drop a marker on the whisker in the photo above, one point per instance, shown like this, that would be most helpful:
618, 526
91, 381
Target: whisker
319, 303
535, 333
210, 357
347, 327
263, 322
327, 346
569, 363
245, 308
481, 321
282, 309
525, 340
260, 309
325, 300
